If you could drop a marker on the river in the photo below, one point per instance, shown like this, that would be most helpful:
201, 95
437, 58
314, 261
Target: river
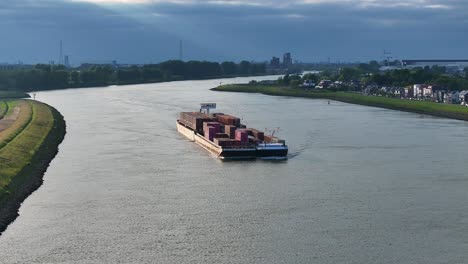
361, 185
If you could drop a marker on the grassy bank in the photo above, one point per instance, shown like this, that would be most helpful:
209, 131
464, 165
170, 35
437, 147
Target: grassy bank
24, 118
3, 108
428, 108
26, 149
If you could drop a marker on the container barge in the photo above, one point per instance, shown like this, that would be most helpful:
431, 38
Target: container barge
225, 136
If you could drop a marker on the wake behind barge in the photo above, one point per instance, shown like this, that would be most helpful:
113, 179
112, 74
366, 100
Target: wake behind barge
224, 136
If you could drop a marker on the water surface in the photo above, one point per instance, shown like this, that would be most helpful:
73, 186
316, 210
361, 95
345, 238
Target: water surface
362, 184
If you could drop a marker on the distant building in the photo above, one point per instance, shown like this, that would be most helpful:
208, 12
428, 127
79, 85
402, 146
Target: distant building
431, 63
67, 61
275, 62
427, 91
6, 66
404, 92
324, 84
287, 59
464, 97
418, 90
453, 97
308, 83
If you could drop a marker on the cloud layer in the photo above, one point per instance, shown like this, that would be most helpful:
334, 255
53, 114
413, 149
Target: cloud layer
313, 30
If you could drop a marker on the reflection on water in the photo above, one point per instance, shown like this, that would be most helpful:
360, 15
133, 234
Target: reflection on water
362, 184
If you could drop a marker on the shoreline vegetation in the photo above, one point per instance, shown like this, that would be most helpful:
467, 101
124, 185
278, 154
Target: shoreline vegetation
30, 133
12, 95
53, 77
421, 107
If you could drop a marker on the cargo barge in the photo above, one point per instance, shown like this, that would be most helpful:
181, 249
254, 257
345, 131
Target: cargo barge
225, 137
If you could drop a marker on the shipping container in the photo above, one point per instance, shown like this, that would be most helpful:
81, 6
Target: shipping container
195, 120
216, 125
230, 130
242, 136
209, 133
254, 140
223, 142
228, 120
258, 134
227, 142
221, 135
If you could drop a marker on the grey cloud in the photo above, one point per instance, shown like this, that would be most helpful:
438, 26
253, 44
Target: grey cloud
148, 32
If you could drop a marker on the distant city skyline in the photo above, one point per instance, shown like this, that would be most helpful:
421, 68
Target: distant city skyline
148, 31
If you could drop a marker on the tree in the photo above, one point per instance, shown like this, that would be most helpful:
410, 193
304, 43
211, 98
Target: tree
295, 83
244, 67
348, 74
151, 74
228, 68
75, 79
173, 67
257, 68
371, 67
310, 77
129, 75
438, 69
58, 79
286, 80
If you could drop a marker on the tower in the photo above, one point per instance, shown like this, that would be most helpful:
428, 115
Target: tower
387, 55
287, 59
66, 61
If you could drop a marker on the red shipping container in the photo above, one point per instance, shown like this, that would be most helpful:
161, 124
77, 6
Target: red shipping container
230, 130
216, 125
209, 133
242, 136
258, 134
229, 120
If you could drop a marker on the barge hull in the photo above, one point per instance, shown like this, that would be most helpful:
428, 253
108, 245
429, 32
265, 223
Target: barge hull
215, 149
272, 152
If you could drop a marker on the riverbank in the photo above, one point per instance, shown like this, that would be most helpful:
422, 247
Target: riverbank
428, 108
27, 147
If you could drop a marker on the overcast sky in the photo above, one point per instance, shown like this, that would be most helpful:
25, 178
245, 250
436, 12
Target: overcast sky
145, 31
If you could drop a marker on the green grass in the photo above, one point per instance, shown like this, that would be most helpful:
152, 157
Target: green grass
3, 108
20, 124
429, 108
20, 150
10, 106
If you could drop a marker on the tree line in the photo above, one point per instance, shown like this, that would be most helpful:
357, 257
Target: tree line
47, 77
366, 74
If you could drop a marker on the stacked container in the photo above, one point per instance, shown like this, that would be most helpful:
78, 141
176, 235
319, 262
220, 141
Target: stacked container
216, 125
227, 142
242, 136
195, 120
221, 135
258, 134
254, 140
228, 120
230, 130
209, 133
